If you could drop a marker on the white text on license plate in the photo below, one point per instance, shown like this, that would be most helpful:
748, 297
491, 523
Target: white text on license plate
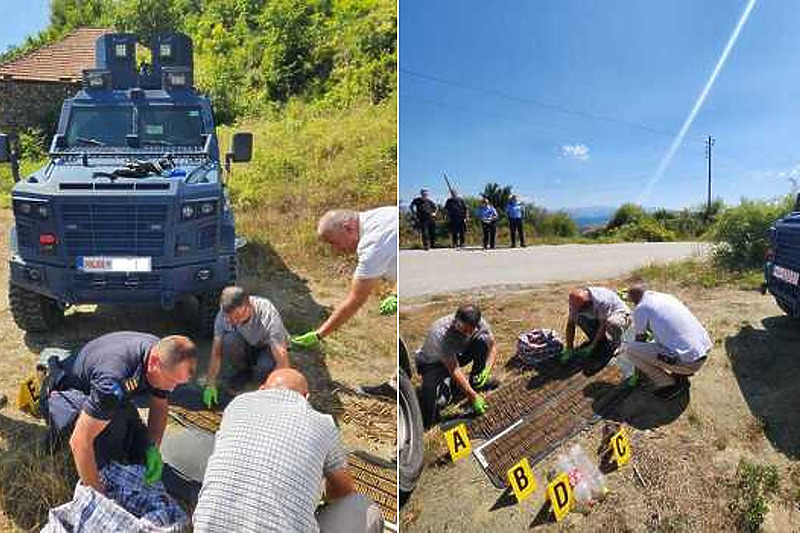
789, 276
115, 264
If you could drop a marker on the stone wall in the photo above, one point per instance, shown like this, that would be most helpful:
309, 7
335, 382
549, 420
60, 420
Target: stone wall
26, 104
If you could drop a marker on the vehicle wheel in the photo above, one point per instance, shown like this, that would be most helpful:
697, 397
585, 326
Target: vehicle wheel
34, 312
785, 306
207, 308
410, 435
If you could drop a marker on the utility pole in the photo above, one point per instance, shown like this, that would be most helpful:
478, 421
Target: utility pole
709, 146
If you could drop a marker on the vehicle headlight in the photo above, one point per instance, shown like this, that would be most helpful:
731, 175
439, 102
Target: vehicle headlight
187, 211
43, 211
24, 208
207, 208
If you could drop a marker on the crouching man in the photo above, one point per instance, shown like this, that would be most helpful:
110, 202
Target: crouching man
454, 341
271, 454
602, 316
681, 343
90, 400
249, 335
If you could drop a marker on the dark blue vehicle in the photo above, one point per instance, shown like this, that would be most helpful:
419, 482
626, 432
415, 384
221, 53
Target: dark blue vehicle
782, 269
132, 206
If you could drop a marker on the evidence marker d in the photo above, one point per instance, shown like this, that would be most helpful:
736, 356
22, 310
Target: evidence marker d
559, 492
458, 442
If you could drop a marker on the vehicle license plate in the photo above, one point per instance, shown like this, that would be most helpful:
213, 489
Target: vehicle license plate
114, 264
785, 274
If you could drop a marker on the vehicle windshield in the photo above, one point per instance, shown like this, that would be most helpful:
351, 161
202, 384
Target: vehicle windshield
99, 126
170, 126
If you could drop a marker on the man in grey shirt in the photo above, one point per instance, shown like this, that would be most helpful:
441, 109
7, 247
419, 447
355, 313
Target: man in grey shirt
249, 334
271, 455
602, 316
454, 341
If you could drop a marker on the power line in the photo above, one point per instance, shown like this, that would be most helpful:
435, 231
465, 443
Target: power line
539, 103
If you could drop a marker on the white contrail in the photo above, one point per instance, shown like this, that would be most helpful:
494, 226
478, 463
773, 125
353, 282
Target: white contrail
678, 140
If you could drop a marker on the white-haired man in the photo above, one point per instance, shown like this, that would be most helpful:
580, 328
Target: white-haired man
372, 235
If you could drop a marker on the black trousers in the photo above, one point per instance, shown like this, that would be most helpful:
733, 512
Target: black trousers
515, 226
489, 233
123, 440
435, 379
427, 228
457, 230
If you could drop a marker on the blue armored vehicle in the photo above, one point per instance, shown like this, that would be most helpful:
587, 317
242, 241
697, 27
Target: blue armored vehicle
782, 270
132, 206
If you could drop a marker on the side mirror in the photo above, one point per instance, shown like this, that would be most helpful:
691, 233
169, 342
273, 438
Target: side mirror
242, 145
796, 202
5, 148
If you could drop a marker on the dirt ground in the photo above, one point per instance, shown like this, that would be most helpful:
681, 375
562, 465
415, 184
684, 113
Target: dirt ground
742, 405
363, 352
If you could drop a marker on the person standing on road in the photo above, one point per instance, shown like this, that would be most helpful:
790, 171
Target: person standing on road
514, 212
271, 453
453, 341
249, 335
488, 215
425, 210
457, 214
372, 235
89, 400
602, 316
680, 346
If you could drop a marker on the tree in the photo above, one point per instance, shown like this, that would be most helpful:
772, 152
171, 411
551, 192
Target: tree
626, 214
497, 195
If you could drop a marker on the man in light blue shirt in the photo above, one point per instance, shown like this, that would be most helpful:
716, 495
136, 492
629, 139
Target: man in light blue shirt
488, 215
514, 212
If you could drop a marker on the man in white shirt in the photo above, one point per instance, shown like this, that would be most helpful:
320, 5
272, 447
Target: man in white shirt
372, 235
681, 343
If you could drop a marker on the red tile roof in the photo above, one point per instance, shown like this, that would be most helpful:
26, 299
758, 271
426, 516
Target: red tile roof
61, 61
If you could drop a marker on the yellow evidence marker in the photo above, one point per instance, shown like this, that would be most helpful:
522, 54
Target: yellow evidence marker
620, 447
28, 396
521, 478
559, 492
458, 442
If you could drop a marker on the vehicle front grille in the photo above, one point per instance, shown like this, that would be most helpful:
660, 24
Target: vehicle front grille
787, 249
114, 229
112, 282
207, 238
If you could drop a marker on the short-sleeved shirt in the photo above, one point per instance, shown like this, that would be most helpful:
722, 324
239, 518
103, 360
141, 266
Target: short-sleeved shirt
673, 326
605, 303
377, 244
514, 210
111, 370
443, 342
423, 208
487, 213
270, 456
456, 208
264, 328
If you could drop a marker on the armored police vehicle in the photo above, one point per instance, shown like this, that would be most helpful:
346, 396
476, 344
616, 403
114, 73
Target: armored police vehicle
132, 205
782, 269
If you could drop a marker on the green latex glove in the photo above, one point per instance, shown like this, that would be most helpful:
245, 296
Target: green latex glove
565, 355
389, 305
153, 465
633, 380
210, 397
483, 377
306, 340
479, 405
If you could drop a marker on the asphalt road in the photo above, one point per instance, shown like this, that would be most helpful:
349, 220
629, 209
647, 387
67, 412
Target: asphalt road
445, 270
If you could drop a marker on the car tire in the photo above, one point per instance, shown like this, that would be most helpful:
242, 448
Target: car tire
207, 309
410, 443
33, 312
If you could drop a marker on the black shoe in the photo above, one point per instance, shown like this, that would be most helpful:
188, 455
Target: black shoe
384, 390
671, 392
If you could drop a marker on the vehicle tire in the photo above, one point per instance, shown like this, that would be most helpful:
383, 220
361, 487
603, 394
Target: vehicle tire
34, 312
786, 307
410, 434
207, 308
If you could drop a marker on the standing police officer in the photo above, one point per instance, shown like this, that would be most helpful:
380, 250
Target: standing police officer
90, 400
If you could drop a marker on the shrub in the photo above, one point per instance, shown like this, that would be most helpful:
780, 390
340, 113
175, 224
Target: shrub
626, 214
741, 232
645, 229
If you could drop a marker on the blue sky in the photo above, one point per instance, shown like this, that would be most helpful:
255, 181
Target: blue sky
558, 98
21, 19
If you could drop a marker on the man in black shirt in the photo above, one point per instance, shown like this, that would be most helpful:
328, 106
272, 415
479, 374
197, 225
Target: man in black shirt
457, 211
424, 210
89, 399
